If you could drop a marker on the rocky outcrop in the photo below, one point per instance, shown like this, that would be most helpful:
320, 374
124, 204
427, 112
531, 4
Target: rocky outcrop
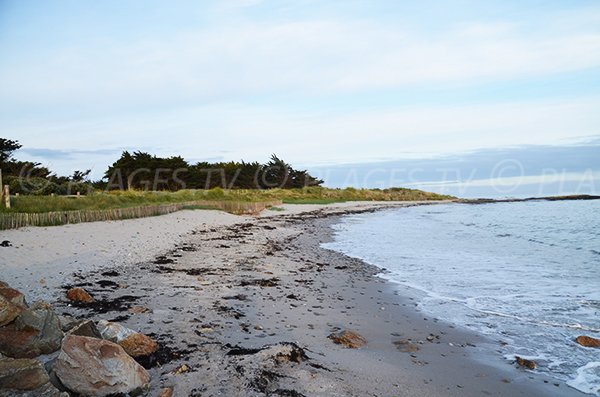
35, 331
79, 295
96, 367
587, 341
349, 339
139, 345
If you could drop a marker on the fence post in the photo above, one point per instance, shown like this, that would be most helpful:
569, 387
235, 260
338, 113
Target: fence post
6, 196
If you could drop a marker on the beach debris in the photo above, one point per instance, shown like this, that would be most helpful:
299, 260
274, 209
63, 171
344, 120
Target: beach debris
138, 345
523, 362
166, 392
35, 331
79, 295
286, 352
261, 282
587, 341
97, 367
113, 332
406, 346
348, 338
22, 374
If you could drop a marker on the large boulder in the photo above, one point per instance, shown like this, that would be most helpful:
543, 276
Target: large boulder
96, 367
35, 331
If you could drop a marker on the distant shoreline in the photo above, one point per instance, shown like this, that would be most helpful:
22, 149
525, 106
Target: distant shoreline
517, 200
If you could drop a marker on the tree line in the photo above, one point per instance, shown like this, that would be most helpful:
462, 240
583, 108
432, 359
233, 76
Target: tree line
144, 171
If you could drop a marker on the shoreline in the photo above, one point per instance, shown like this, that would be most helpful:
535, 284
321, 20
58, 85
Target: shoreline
251, 283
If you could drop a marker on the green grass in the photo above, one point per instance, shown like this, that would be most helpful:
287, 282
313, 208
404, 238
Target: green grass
124, 199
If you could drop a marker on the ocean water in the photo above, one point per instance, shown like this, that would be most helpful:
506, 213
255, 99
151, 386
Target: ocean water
524, 273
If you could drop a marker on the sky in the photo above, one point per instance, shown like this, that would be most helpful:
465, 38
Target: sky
326, 85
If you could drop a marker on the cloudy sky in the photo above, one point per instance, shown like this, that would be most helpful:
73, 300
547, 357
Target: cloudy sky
320, 83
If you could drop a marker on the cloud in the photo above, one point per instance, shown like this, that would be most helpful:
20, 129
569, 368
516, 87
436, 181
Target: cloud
304, 56
54, 154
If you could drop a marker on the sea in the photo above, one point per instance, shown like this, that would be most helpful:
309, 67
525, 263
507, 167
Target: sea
524, 273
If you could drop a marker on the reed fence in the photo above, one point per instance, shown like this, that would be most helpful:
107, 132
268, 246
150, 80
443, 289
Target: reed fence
14, 220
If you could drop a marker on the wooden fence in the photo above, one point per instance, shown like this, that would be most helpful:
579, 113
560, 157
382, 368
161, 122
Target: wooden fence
19, 219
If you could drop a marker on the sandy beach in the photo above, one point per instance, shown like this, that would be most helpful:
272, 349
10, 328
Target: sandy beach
243, 306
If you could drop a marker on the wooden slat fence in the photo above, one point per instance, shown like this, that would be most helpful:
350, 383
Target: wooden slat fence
16, 220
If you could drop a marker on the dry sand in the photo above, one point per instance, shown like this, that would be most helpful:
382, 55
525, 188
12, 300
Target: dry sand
229, 296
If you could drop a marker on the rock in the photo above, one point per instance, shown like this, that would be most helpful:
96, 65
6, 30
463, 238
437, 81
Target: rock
13, 296
8, 311
350, 339
139, 310
96, 367
47, 390
35, 331
523, 362
22, 374
79, 295
166, 392
114, 332
406, 346
588, 341
138, 345
67, 322
86, 328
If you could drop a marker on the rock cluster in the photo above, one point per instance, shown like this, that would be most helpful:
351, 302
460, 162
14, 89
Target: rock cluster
92, 359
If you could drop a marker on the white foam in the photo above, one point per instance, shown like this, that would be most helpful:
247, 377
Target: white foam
587, 379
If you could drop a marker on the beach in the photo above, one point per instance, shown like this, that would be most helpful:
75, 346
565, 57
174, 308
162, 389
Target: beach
244, 306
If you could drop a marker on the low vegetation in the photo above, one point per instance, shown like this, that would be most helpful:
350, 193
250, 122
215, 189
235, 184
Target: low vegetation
124, 199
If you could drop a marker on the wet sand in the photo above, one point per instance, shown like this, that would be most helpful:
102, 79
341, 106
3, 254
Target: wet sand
247, 303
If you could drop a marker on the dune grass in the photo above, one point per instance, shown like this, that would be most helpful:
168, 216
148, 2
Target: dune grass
125, 199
